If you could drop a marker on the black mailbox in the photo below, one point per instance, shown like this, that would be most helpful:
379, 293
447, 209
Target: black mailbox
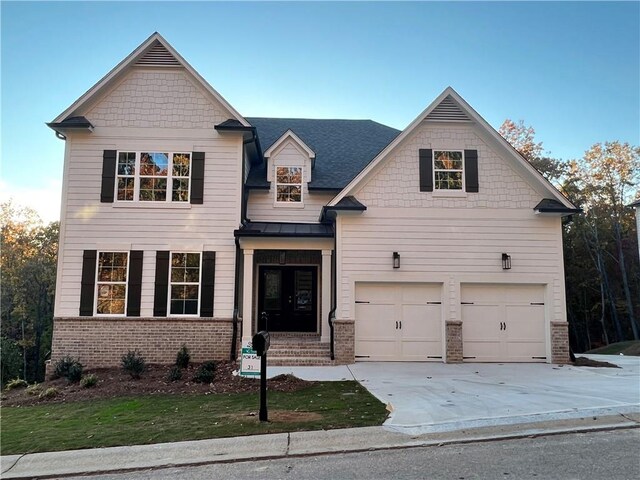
261, 342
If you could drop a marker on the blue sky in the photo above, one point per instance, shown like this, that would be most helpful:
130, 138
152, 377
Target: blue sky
571, 70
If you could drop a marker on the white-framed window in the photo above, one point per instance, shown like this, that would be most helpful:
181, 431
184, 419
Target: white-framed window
184, 283
111, 283
288, 184
448, 170
153, 176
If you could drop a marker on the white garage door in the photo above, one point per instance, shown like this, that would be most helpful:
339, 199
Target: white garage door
503, 323
398, 322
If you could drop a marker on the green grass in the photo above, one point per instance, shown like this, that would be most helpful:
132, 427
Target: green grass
626, 348
154, 419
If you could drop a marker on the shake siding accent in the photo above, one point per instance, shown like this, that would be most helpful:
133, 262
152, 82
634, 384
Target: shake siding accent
260, 207
148, 227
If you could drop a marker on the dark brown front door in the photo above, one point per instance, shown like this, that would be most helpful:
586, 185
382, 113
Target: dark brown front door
288, 295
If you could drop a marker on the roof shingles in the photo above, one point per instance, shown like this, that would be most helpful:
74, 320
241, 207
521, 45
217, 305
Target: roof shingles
342, 147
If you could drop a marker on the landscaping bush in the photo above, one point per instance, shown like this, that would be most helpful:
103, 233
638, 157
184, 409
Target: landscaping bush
133, 363
205, 373
49, 393
16, 383
69, 368
74, 373
35, 389
89, 381
175, 374
183, 357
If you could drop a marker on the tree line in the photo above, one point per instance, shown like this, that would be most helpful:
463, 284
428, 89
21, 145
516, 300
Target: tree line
602, 268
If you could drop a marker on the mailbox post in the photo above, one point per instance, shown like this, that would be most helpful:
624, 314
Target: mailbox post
260, 344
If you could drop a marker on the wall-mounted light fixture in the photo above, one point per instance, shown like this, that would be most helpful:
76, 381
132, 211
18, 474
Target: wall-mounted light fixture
506, 261
396, 260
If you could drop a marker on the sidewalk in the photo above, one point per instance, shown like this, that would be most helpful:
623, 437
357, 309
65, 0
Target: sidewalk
141, 457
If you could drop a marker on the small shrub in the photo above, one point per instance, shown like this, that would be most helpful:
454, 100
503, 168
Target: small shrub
175, 374
61, 367
205, 373
183, 357
16, 383
49, 393
74, 374
89, 381
35, 389
133, 363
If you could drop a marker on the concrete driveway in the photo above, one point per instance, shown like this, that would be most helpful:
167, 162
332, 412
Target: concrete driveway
435, 397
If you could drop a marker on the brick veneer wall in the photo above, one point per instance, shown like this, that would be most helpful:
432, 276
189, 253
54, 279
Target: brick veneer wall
560, 342
344, 335
454, 341
100, 342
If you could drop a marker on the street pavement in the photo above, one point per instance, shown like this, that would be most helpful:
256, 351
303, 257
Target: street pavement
431, 404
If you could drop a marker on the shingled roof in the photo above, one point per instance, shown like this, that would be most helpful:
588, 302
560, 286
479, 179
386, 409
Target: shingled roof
342, 147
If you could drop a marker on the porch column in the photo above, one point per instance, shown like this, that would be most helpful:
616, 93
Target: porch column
325, 332
247, 297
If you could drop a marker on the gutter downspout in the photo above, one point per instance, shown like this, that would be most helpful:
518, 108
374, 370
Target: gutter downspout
236, 287
332, 313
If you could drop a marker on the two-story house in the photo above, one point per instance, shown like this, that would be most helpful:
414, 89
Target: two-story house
184, 222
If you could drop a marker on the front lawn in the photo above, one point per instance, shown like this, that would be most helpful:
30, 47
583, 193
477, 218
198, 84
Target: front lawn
631, 347
169, 418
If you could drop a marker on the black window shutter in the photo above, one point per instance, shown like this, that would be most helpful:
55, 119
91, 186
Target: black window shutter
208, 281
471, 170
197, 177
162, 284
134, 286
426, 170
88, 283
108, 176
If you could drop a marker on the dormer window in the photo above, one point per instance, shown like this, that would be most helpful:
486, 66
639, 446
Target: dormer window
448, 168
289, 184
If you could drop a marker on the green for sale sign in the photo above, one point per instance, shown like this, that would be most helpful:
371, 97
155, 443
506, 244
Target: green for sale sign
249, 362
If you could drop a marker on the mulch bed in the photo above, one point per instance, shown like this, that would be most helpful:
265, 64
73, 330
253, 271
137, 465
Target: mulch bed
587, 362
114, 382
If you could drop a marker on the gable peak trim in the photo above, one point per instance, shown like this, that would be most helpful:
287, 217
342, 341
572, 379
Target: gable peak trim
289, 134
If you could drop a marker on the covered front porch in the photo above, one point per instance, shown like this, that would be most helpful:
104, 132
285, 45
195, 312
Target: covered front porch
286, 289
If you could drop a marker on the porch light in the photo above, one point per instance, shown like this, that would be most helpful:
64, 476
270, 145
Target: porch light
396, 260
506, 261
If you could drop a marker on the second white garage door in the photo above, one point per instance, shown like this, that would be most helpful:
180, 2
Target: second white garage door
503, 323
398, 322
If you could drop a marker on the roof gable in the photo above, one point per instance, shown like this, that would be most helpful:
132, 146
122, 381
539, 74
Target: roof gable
289, 135
155, 52
450, 106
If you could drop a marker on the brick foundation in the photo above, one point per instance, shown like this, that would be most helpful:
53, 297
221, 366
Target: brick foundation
101, 342
344, 335
454, 341
560, 342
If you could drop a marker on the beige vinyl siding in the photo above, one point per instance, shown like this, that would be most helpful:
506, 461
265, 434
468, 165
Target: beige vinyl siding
91, 225
261, 207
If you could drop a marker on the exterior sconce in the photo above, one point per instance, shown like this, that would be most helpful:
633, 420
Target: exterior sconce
506, 261
396, 260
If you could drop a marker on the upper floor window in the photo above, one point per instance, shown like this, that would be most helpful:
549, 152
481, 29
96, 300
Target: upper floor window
153, 176
184, 284
448, 168
111, 283
289, 184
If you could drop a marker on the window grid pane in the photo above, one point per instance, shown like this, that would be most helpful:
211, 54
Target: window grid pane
111, 284
185, 284
289, 184
448, 167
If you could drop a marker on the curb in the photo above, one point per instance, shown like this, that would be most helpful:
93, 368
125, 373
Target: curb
281, 445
